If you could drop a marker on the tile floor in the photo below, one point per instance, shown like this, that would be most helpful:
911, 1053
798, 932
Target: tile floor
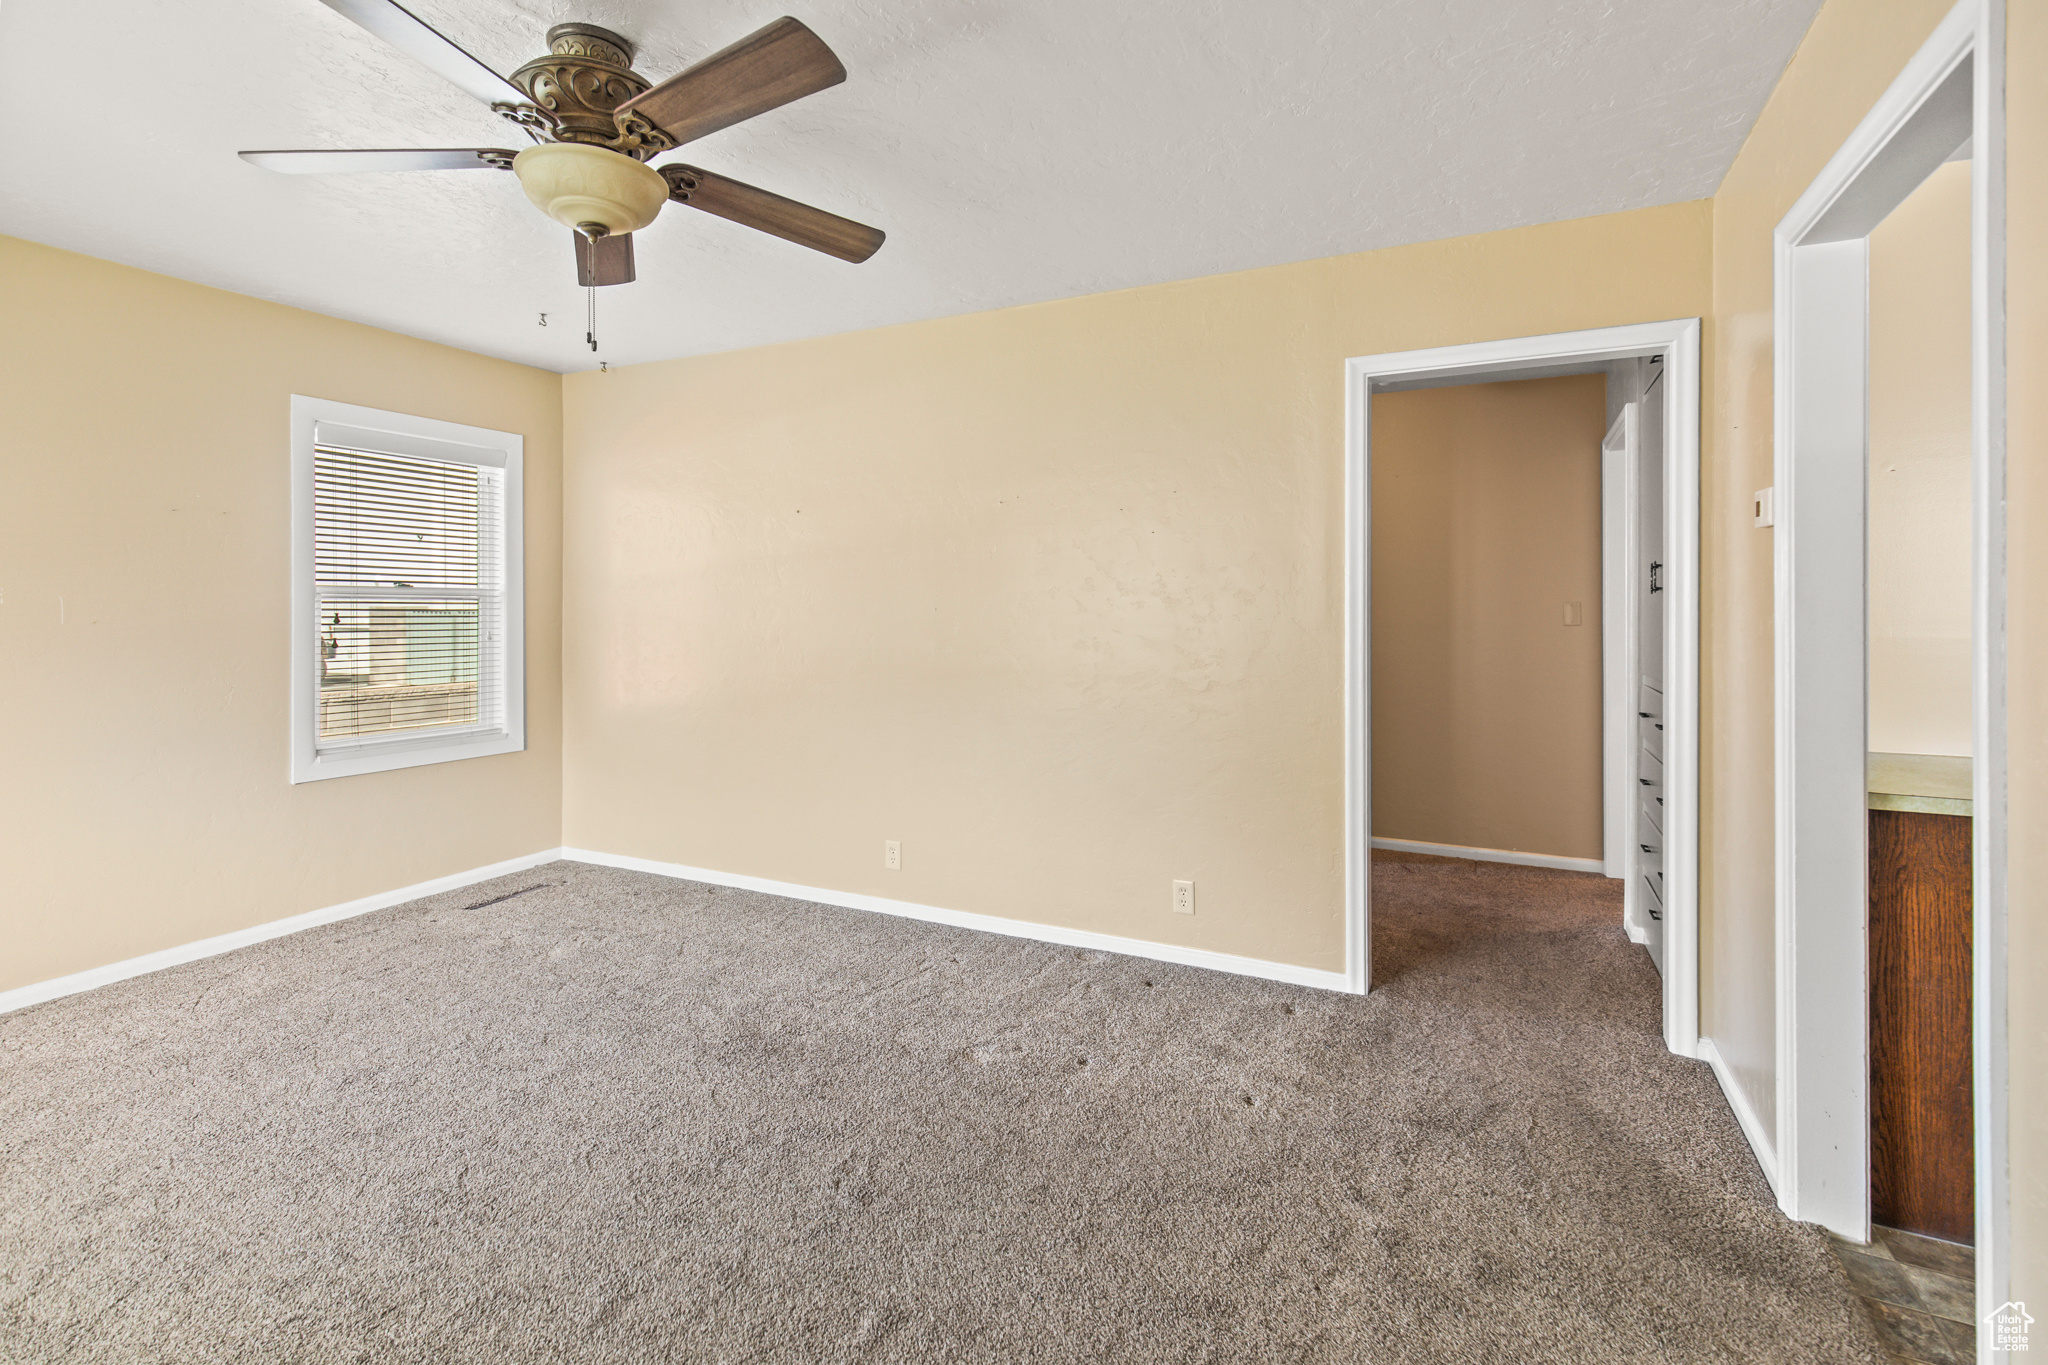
1921, 1295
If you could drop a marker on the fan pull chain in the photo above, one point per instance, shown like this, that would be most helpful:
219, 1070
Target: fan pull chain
590, 332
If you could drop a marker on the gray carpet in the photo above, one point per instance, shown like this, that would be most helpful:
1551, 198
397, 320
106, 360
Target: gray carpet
621, 1118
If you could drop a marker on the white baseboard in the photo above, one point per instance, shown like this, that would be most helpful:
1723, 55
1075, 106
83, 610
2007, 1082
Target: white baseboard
23, 996
1493, 855
36, 994
1745, 1112
992, 924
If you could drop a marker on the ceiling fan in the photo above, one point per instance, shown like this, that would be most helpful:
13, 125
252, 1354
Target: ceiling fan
595, 123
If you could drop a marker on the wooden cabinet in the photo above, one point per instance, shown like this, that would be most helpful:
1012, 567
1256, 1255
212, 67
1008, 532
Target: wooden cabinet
1922, 1143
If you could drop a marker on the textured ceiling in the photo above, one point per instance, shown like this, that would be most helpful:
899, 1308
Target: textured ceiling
1014, 150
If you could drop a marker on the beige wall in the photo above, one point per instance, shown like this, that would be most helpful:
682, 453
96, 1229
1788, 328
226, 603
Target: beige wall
1486, 706
1052, 595
1920, 471
144, 611
2026, 299
1853, 51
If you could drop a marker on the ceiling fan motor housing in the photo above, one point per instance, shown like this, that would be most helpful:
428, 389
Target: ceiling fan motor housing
587, 73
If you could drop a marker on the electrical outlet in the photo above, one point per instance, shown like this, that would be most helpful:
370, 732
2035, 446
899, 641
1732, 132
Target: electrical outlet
892, 855
1183, 898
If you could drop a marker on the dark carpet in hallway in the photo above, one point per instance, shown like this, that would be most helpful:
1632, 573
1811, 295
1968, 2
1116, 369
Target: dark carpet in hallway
621, 1118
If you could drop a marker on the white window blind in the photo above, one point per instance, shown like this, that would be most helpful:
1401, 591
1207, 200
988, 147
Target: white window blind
409, 568
407, 616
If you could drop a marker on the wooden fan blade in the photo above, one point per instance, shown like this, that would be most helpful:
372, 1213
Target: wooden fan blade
771, 213
419, 40
784, 61
324, 162
608, 260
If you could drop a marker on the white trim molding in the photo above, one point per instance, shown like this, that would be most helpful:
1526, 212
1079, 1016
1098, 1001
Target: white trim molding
988, 924
1357, 672
24, 996
1753, 1130
1293, 975
1990, 832
1556, 861
1678, 341
1951, 91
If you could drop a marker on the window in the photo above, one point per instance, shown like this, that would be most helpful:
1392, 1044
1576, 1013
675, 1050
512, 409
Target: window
407, 611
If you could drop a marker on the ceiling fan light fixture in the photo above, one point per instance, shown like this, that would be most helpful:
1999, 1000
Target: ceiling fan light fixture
577, 184
596, 122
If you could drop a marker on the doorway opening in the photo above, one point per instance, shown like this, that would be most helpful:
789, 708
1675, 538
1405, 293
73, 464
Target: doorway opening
1918, 685
1638, 499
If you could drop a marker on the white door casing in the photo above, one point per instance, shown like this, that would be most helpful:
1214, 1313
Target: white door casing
1678, 341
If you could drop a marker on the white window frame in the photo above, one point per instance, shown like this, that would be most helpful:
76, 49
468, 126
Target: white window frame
322, 421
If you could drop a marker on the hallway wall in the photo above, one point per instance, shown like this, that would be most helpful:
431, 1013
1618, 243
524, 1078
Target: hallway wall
1920, 470
1853, 51
1486, 705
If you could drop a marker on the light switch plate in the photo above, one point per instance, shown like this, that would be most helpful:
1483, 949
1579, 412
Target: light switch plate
1765, 507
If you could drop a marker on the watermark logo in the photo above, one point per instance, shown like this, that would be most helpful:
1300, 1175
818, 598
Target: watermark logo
2009, 1326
